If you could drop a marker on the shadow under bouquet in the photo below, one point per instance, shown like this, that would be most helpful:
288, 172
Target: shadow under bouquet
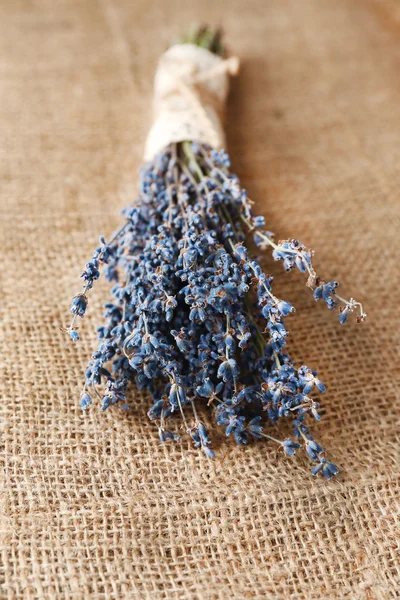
193, 318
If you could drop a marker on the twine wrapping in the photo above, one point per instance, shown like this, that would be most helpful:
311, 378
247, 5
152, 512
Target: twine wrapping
190, 90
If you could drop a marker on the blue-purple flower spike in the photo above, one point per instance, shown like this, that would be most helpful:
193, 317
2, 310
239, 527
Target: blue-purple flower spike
193, 319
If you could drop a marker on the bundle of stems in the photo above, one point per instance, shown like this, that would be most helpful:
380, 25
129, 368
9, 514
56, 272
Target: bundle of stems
193, 318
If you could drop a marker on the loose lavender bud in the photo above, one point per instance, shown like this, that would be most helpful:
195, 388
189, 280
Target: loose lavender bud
74, 335
290, 447
78, 305
328, 469
86, 401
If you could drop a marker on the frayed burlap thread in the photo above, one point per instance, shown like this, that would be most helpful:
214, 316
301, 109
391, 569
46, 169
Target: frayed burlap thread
93, 505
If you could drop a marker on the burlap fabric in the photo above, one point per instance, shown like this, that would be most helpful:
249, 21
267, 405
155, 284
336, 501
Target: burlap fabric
92, 505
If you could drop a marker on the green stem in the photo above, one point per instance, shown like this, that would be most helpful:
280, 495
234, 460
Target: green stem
192, 162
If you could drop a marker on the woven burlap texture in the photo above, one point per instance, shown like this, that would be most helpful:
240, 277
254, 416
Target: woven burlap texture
93, 505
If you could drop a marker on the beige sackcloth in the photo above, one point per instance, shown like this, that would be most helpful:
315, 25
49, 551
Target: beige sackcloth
93, 505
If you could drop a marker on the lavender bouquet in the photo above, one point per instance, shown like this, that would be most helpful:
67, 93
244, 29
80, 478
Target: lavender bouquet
193, 318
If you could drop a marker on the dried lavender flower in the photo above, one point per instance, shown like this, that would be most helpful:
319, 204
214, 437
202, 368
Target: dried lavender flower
193, 318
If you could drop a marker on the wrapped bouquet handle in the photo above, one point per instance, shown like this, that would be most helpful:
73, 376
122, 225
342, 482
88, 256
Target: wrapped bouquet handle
193, 319
190, 90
